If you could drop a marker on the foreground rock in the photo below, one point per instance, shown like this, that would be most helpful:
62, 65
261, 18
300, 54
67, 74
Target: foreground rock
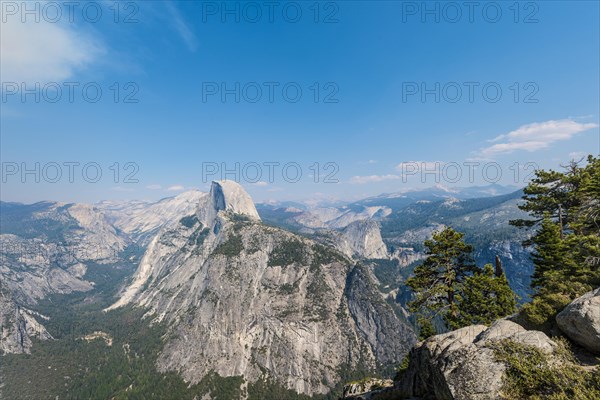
580, 321
460, 364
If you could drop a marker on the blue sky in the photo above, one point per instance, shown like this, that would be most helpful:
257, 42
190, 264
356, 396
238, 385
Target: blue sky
369, 60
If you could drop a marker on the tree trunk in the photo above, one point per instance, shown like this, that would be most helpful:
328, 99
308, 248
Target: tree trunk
560, 220
499, 270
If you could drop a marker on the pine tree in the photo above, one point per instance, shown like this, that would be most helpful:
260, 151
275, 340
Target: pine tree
438, 280
426, 327
587, 215
554, 193
584, 242
485, 298
549, 258
566, 208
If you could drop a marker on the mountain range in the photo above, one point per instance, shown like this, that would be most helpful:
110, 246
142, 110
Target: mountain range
283, 294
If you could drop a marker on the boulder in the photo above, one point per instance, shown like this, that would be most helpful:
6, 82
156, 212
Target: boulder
500, 330
461, 364
580, 321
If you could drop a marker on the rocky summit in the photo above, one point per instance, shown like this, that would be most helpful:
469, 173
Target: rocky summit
245, 299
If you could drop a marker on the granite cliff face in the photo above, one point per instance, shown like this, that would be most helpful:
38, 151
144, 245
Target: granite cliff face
363, 238
242, 298
226, 196
18, 325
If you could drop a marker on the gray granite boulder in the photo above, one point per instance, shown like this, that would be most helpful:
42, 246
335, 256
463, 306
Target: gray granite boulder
580, 321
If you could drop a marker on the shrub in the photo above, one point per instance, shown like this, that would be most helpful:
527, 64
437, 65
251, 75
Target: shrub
189, 221
532, 374
286, 253
230, 248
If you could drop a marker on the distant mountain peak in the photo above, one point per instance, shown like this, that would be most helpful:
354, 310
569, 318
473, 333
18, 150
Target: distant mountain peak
444, 188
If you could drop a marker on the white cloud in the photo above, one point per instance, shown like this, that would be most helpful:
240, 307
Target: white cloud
411, 166
360, 180
261, 183
154, 187
406, 168
367, 162
175, 188
44, 52
535, 136
122, 189
182, 27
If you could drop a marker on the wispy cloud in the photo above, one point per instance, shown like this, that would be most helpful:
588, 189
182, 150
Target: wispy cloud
406, 168
361, 180
261, 183
122, 189
535, 136
44, 51
182, 28
412, 166
175, 188
368, 162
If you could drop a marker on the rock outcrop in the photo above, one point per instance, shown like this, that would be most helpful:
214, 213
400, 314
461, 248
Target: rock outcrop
461, 364
580, 321
18, 326
362, 239
464, 364
226, 196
